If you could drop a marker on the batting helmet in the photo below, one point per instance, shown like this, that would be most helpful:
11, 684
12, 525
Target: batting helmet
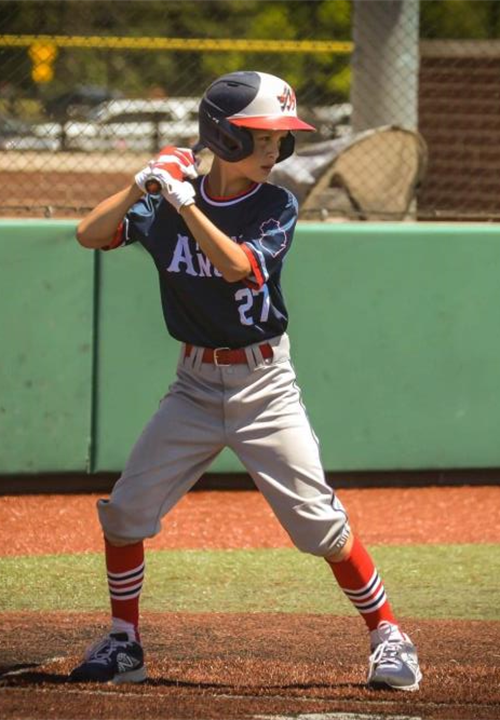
242, 100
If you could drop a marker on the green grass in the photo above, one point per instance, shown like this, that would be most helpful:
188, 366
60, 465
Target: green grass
426, 581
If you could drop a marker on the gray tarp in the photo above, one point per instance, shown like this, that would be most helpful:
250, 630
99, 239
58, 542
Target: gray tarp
368, 176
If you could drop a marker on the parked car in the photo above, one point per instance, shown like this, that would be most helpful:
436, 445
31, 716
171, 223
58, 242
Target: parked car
18, 135
78, 102
145, 125
128, 125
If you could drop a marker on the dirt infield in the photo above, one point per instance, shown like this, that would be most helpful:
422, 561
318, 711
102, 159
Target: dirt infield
237, 666
70, 194
233, 666
34, 180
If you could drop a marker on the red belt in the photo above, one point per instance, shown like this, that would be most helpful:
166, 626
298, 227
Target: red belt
225, 356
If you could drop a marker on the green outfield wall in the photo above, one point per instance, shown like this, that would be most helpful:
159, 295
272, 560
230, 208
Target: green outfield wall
395, 332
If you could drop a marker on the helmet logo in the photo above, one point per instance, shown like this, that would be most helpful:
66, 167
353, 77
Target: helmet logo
287, 99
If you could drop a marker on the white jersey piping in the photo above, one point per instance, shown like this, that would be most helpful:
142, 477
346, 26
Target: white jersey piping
229, 201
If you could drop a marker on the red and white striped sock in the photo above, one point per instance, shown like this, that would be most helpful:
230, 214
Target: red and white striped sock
357, 576
125, 566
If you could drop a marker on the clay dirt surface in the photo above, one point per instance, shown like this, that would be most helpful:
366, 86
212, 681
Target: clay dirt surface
232, 666
44, 524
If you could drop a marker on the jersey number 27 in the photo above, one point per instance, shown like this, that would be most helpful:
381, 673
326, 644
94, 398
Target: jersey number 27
248, 305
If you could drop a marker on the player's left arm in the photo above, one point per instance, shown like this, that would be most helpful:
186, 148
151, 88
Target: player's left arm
264, 245
269, 240
227, 256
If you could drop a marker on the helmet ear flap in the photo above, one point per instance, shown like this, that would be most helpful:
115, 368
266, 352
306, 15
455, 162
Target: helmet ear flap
227, 141
236, 143
287, 147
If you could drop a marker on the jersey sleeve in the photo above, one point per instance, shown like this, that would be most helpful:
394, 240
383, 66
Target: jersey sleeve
136, 224
267, 243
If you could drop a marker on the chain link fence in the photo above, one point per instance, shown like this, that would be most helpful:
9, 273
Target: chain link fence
404, 95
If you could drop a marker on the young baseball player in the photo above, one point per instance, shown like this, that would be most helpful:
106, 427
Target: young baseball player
218, 243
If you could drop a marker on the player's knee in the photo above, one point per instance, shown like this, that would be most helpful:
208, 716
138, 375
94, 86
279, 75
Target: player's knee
321, 541
120, 526
319, 526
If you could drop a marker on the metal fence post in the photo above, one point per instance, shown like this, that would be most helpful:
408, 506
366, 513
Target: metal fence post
384, 87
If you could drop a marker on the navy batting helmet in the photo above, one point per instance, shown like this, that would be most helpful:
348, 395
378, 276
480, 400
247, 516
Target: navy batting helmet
243, 100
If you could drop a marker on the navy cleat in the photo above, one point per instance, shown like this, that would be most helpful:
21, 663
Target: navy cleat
394, 661
114, 659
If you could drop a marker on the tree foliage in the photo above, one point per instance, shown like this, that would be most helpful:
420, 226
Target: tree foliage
460, 19
317, 77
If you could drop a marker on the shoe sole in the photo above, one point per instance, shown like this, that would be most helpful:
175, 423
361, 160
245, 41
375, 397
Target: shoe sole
133, 676
383, 685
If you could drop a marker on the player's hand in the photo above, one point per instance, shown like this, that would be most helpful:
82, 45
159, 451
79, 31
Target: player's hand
176, 192
179, 163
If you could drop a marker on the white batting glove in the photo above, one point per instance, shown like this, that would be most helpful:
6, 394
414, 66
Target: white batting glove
178, 193
180, 163
142, 176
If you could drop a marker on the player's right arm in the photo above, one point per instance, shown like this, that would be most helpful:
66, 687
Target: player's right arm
99, 227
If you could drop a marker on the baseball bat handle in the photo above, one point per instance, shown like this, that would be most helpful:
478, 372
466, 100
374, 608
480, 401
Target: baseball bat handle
153, 186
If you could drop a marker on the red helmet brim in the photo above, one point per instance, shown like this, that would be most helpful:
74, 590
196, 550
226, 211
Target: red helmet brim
281, 122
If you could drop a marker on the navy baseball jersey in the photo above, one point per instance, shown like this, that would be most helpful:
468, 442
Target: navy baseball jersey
199, 306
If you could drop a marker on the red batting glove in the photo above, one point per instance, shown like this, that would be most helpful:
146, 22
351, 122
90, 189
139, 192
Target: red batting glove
179, 163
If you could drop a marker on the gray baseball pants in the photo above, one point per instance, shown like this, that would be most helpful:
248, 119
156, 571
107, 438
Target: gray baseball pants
256, 410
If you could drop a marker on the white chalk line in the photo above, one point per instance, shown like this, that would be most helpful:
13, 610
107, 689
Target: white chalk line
95, 692
336, 716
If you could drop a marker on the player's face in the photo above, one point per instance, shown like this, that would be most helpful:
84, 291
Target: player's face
266, 150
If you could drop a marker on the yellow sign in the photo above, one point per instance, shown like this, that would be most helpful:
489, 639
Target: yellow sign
42, 73
42, 56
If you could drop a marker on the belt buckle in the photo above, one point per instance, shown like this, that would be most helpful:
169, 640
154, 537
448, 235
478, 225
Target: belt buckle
216, 361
